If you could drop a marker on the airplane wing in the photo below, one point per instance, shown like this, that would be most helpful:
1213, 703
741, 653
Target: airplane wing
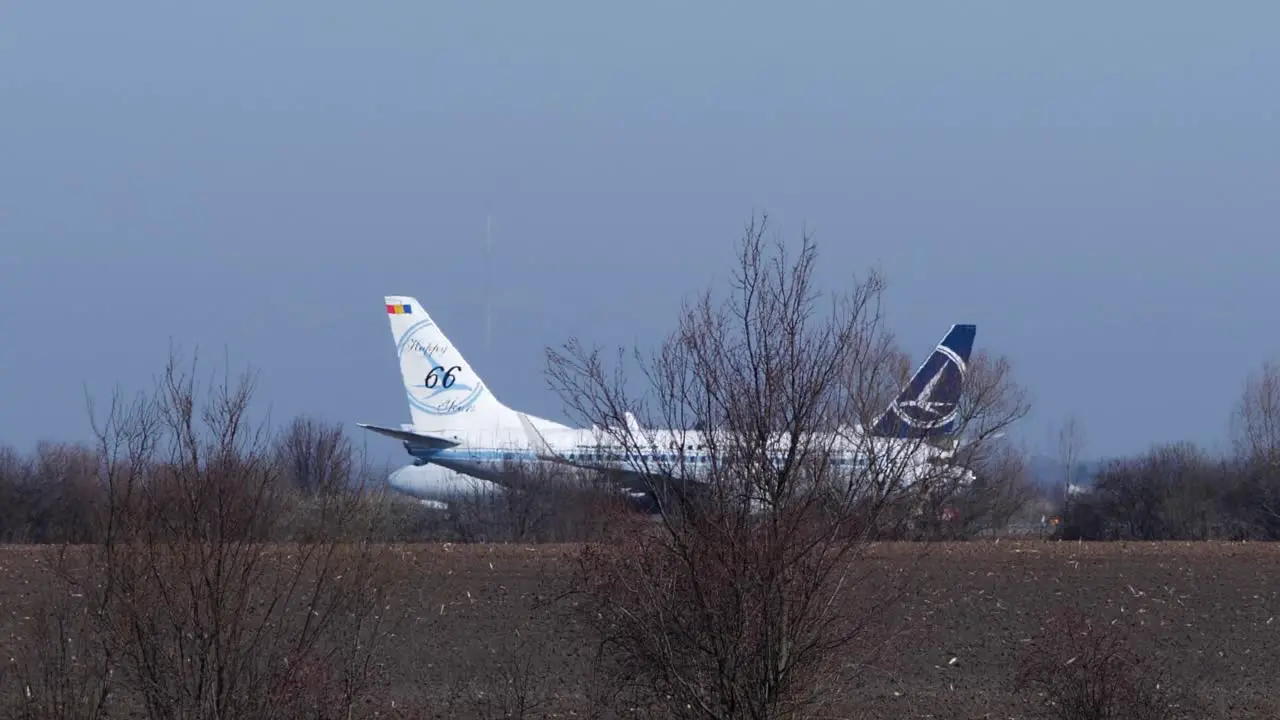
430, 441
628, 479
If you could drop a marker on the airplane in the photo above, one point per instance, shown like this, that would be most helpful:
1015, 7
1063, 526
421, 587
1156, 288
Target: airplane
465, 442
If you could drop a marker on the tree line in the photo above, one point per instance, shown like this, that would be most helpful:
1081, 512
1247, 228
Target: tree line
59, 493
1181, 491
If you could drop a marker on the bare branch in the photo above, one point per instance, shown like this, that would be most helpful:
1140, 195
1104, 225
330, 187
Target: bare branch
731, 604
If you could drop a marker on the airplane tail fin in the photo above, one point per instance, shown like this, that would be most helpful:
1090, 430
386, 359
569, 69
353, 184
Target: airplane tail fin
445, 394
929, 405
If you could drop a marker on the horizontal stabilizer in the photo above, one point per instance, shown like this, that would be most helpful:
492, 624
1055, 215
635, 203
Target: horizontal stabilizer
429, 441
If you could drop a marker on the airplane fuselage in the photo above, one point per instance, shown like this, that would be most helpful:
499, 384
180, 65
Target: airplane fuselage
499, 460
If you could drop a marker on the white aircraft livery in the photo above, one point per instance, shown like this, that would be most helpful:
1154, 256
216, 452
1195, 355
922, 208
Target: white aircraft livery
464, 441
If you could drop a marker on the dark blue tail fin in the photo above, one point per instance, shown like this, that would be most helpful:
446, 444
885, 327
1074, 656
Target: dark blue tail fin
929, 406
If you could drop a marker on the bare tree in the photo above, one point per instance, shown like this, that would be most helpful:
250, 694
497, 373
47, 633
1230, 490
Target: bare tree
1086, 669
197, 614
993, 400
735, 603
16, 473
48, 496
1070, 446
1171, 492
1000, 492
1256, 423
1256, 433
314, 454
994, 485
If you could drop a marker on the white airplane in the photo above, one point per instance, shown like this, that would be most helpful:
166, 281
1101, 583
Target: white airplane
465, 441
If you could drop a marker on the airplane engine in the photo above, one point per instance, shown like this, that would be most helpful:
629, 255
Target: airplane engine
438, 484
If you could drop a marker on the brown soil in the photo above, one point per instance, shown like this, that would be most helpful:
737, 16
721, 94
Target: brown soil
1206, 612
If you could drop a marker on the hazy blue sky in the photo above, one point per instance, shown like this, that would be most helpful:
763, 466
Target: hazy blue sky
1094, 184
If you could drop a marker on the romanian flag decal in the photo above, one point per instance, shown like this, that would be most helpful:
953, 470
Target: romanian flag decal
400, 309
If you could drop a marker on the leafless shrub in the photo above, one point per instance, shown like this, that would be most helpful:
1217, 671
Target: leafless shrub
1001, 492
1171, 492
314, 455
996, 486
16, 473
49, 496
735, 603
513, 682
1256, 433
540, 503
58, 665
1084, 669
1256, 423
993, 400
198, 613
1178, 491
404, 519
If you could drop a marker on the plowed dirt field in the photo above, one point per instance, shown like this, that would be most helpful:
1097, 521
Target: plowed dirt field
1204, 612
